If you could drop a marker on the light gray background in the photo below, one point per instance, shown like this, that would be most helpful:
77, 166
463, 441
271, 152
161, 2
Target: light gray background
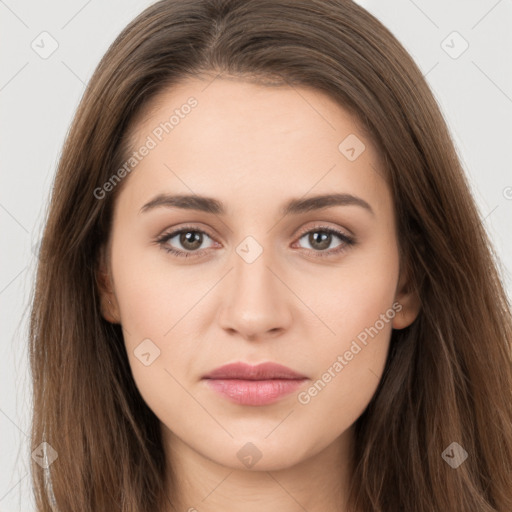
39, 97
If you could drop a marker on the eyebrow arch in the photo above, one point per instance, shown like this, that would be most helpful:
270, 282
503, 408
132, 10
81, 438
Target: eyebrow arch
294, 206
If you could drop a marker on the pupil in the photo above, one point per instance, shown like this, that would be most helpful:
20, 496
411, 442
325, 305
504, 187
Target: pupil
190, 239
325, 239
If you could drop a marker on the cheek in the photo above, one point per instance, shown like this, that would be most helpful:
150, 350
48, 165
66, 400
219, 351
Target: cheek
156, 306
357, 307
357, 294
349, 364
152, 296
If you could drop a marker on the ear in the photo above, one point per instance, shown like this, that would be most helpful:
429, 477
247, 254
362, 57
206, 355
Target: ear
409, 300
108, 302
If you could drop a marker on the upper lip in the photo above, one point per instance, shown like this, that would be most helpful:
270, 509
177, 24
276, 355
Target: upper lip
244, 371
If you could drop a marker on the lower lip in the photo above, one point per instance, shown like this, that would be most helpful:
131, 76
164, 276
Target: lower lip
255, 392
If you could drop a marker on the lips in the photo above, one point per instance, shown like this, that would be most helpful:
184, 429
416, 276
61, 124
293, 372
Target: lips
258, 385
263, 371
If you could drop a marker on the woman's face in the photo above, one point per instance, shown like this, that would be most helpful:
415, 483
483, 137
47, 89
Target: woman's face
264, 280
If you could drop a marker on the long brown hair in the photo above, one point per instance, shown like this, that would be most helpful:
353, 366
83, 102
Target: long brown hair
448, 377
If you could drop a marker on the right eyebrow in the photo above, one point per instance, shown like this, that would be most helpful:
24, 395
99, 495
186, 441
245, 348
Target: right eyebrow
296, 206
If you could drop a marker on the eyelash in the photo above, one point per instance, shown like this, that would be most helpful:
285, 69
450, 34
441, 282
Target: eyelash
347, 241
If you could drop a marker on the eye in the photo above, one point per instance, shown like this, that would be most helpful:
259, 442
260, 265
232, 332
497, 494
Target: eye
321, 237
190, 238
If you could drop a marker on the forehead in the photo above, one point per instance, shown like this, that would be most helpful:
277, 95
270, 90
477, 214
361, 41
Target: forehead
234, 139
232, 105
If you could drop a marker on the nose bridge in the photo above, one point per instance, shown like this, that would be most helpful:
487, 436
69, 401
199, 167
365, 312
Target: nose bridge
255, 301
251, 261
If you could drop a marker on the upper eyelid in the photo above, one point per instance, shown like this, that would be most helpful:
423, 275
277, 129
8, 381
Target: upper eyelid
338, 231
171, 233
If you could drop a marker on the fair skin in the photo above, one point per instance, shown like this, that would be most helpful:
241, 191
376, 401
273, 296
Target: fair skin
254, 148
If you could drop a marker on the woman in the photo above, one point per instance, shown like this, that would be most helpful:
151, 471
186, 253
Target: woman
237, 368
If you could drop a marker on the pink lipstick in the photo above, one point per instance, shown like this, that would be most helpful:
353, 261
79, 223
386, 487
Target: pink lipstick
262, 384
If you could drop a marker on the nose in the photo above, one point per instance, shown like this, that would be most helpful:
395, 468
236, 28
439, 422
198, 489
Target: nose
255, 302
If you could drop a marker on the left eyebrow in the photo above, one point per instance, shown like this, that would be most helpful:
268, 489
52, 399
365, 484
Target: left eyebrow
294, 206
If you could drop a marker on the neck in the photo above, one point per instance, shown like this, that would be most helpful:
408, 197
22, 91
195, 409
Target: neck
318, 483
